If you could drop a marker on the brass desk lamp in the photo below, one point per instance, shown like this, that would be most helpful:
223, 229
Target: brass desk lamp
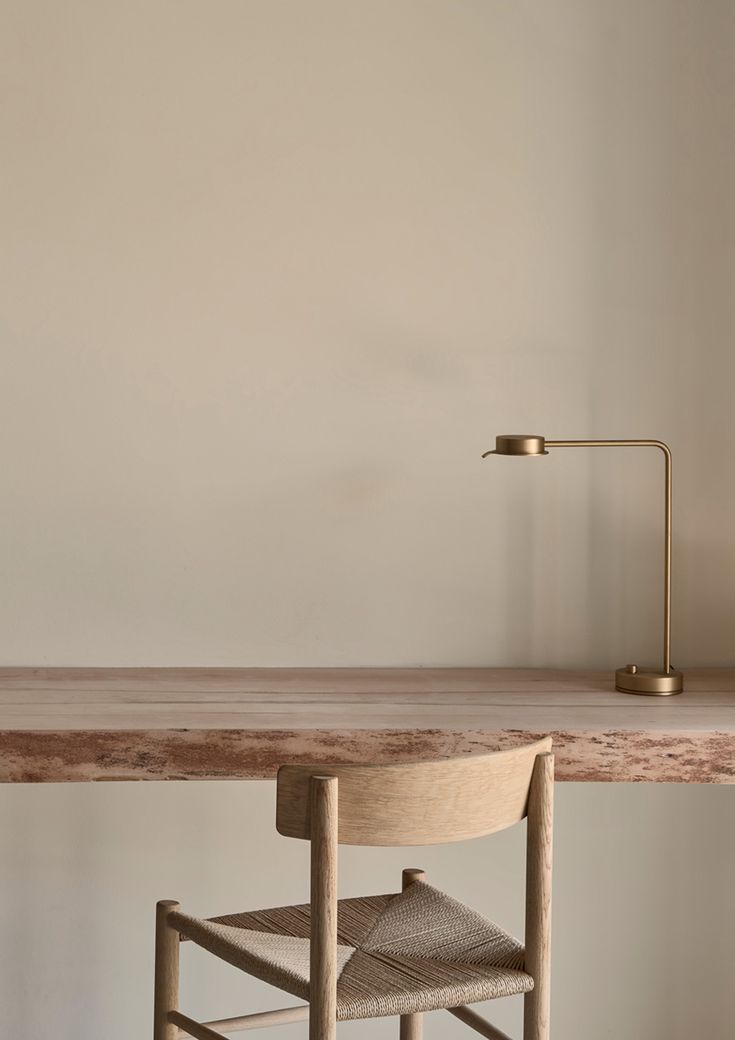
631, 679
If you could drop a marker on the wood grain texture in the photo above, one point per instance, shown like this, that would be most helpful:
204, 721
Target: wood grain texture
415, 803
186, 1027
209, 724
480, 1025
539, 851
323, 797
257, 1020
166, 977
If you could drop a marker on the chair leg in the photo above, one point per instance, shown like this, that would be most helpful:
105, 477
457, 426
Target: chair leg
322, 1028
411, 1025
536, 1004
323, 946
166, 993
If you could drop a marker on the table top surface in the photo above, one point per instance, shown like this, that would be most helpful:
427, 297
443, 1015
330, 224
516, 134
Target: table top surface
128, 723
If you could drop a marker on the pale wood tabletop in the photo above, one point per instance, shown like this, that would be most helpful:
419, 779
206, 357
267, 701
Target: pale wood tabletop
83, 724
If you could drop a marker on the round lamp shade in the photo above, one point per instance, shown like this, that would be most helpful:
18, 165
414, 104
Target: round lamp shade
518, 444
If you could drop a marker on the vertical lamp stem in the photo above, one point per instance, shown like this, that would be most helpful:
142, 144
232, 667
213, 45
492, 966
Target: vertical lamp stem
667, 520
667, 564
631, 679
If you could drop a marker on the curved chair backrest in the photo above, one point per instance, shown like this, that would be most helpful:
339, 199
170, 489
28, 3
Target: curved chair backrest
415, 803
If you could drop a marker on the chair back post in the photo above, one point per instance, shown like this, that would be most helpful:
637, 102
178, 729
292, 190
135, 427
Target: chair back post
323, 827
166, 994
537, 1003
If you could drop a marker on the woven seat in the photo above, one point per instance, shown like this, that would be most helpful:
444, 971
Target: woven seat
401, 954
418, 950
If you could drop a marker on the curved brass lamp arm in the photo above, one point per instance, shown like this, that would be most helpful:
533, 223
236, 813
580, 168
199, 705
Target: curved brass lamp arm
667, 522
630, 679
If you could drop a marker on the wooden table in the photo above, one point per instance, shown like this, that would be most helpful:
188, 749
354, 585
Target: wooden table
87, 724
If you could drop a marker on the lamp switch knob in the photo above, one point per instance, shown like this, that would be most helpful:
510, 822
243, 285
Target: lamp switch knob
631, 668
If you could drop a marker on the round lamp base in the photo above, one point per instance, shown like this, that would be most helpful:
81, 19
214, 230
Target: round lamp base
648, 682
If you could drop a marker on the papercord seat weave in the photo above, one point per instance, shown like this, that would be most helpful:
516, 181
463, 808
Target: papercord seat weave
417, 950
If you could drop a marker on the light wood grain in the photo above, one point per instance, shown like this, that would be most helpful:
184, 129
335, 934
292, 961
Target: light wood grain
185, 1026
349, 698
415, 803
338, 715
323, 817
158, 724
166, 976
475, 1021
257, 1020
324, 680
411, 1027
201, 687
537, 1003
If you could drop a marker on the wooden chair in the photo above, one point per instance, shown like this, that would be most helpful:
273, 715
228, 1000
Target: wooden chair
401, 954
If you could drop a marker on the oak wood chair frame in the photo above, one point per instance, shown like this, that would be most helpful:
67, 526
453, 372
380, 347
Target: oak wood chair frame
406, 804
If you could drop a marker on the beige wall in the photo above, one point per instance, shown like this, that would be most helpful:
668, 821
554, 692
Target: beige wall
644, 945
273, 276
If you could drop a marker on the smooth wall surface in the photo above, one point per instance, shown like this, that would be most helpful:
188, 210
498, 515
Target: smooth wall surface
273, 276
643, 940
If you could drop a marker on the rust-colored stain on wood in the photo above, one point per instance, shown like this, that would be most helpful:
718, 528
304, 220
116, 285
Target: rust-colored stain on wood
89, 724
614, 756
